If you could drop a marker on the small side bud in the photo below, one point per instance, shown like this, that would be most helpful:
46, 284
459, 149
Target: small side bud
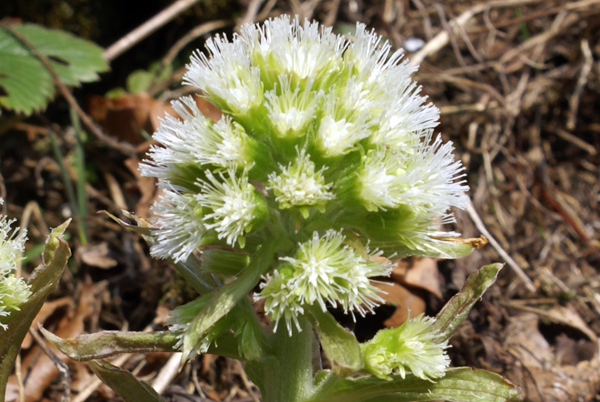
411, 347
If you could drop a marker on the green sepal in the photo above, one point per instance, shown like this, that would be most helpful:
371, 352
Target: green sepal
228, 262
124, 383
340, 345
458, 307
263, 162
250, 336
143, 227
221, 300
193, 341
400, 232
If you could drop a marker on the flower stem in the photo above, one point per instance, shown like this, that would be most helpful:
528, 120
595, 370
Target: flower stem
289, 376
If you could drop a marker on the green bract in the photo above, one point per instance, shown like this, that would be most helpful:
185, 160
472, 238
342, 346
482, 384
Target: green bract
325, 142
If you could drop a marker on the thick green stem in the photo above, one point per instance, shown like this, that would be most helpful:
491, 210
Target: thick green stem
289, 377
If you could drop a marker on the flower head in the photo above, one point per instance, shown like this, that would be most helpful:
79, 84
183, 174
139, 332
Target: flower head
323, 271
291, 110
232, 205
13, 291
179, 225
411, 347
321, 136
300, 184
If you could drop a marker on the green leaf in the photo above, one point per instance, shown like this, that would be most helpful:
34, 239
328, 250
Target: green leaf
124, 383
223, 299
43, 280
445, 250
340, 346
109, 343
459, 385
28, 84
458, 307
139, 81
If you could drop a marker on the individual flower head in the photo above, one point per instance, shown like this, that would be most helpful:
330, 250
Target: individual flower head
346, 119
424, 179
232, 205
228, 77
324, 271
13, 291
193, 139
412, 347
279, 305
291, 109
286, 46
387, 78
300, 184
179, 225
406, 118
369, 58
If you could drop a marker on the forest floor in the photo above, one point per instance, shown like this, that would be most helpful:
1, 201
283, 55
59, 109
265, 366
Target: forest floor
518, 86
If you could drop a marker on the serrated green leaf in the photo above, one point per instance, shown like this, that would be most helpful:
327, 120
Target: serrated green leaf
459, 385
340, 346
43, 280
26, 81
29, 89
458, 307
124, 383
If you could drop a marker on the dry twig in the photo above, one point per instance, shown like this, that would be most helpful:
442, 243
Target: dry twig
141, 32
509, 260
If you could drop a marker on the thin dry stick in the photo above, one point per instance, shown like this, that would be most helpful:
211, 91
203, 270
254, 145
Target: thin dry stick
266, 10
427, 26
169, 371
19, 377
247, 383
581, 83
141, 32
562, 22
573, 139
442, 38
332, 13
451, 36
126, 148
62, 368
512, 263
250, 13
190, 36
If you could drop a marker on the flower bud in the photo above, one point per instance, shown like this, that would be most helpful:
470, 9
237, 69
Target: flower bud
412, 347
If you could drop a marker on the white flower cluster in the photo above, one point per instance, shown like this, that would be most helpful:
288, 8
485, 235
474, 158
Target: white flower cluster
320, 136
13, 291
